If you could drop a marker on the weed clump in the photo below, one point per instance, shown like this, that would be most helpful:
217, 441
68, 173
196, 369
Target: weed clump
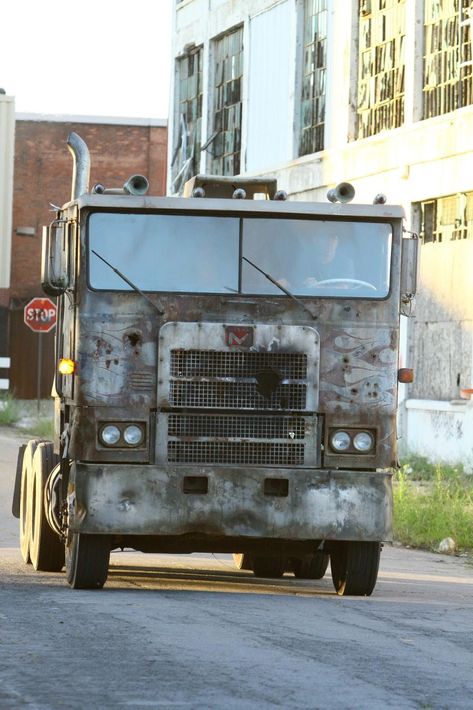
433, 502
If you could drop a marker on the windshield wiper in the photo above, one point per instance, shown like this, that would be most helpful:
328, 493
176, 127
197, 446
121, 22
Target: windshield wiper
130, 283
281, 288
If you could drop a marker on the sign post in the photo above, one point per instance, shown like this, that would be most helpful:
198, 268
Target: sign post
40, 315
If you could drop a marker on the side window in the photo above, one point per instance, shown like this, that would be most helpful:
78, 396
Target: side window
187, 119
314, 76
447, 56
225, 142
381, 66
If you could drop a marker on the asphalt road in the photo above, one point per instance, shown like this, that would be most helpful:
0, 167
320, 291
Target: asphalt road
192, 631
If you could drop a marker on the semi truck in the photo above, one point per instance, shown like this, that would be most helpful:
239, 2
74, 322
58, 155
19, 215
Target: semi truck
227, 379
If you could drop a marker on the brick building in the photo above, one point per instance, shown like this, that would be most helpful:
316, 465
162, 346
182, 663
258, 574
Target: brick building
42, 177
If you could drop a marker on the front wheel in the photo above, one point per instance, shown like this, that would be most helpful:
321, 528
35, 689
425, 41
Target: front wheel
354, 567
87, 560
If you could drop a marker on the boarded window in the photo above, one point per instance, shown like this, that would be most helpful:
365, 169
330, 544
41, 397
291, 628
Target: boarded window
447, 218
314, 75
381, 66
447, 56
225, 145
188, 119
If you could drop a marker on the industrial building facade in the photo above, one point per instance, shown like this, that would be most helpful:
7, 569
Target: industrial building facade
375, 92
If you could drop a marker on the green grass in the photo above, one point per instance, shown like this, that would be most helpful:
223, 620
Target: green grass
9, 410
43, 428
433, 502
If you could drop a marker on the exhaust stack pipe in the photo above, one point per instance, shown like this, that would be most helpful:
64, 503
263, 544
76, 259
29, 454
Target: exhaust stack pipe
344, 192
81, 167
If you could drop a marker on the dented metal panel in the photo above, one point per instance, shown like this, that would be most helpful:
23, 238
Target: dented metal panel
236, 395
149, 500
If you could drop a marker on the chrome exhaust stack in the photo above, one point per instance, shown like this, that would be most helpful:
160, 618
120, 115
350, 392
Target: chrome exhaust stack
81, 169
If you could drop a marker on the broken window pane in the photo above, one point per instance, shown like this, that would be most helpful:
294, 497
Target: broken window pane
226, 124
187, 119
447, 218
313, 77
447, 56
380, 66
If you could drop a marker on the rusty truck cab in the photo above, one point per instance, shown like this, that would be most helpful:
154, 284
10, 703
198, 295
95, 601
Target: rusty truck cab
227, 382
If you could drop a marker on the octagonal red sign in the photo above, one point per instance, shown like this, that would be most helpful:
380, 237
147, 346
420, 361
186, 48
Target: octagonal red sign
40, 315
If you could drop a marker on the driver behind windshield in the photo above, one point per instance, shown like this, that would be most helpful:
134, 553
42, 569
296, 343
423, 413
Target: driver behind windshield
328, 262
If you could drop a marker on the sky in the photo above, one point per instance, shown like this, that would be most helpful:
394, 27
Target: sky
87, 57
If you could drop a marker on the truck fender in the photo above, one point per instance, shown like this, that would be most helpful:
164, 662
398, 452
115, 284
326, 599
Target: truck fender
15, 508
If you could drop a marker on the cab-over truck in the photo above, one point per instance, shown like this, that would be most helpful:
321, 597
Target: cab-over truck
228, 367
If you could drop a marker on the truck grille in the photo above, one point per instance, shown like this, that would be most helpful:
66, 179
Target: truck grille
243, 427
244, 452
238, 407
207, 363
235, 395
257, 440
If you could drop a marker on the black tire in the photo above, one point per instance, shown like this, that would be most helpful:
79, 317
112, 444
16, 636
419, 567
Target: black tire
87, 560
310, 566
354, 567
242, 560
26, 489
46, 548
271, 566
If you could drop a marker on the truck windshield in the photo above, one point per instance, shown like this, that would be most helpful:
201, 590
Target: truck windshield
204, 254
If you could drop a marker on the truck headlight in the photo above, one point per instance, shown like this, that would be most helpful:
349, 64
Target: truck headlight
363, 442
340, 441
352, 441
110, 435
133, 435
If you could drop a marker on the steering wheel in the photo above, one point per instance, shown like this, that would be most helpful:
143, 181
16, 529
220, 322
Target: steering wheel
352, 282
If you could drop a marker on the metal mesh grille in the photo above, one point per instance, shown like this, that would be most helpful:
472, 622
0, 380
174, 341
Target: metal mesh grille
216, 452
235, 395
208, 363
186, 425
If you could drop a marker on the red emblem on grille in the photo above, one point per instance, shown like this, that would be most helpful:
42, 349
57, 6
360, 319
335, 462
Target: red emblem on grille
237, 336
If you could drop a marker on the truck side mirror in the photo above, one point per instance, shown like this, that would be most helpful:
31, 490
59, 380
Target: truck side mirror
54, 259
409, 265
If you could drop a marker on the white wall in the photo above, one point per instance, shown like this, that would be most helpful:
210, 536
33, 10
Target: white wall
270, 105
7, 144
440, 431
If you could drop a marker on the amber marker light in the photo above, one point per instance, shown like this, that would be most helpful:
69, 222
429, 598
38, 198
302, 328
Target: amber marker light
66, 366
405, 375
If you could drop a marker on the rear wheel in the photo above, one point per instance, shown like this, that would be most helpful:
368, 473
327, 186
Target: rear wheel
310, 566
272, 566
354, 567
87, 560
46, 548
26, 490
242, 560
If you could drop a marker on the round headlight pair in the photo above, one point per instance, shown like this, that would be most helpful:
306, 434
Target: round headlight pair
132, 435
362, 442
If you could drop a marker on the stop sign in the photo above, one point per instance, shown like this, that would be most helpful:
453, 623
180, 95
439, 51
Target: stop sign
40, 315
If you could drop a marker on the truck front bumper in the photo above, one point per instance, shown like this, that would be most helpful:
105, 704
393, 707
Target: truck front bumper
280, 504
